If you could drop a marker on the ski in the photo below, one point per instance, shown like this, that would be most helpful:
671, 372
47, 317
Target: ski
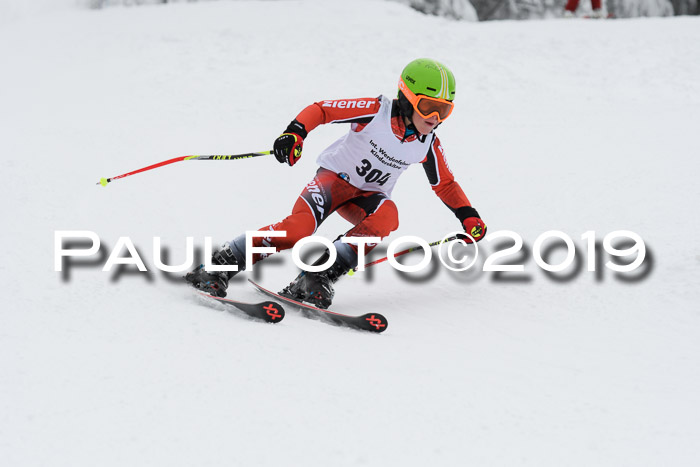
271, 312
372, 322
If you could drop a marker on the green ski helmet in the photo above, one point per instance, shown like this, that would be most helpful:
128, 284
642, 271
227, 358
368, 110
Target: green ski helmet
428, 87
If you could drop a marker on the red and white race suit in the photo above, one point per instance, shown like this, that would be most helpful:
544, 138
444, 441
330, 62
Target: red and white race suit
358, 172
374, 158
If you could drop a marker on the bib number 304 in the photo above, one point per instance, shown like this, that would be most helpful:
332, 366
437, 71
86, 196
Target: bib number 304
372, 175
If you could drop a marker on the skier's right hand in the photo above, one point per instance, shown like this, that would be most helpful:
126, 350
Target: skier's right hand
287, 148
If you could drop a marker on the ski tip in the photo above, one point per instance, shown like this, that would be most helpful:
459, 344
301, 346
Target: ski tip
374, 322
274, 313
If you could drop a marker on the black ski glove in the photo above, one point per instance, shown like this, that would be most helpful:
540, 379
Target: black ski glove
287, 148
288, 145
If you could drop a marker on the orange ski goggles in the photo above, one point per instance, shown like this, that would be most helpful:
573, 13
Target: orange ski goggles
427, 106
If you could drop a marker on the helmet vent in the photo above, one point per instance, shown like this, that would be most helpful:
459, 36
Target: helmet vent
431, 89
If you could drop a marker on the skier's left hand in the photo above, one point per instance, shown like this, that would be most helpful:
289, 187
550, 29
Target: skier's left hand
475, 227
472, 223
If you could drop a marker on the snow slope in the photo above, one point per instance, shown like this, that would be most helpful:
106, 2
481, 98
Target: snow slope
560, 125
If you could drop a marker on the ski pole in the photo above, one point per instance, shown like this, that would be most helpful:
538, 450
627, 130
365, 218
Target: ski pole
401, 253
105, 181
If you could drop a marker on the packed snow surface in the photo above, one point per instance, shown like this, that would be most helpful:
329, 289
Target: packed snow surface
568, 125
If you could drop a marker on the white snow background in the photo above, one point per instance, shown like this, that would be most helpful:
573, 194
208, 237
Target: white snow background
568, 125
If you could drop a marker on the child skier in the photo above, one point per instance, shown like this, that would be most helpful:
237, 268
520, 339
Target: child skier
356, 176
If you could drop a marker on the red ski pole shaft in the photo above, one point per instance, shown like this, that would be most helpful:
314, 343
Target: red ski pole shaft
403, 252
211, 157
